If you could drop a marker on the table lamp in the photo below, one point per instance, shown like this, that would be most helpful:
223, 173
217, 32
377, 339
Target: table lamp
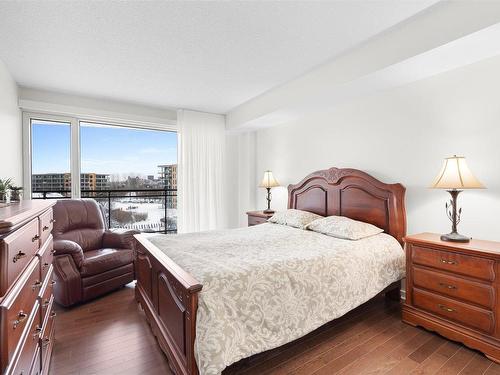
455, 176
268, 182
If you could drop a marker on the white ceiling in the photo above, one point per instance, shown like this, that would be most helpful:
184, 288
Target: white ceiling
209, 56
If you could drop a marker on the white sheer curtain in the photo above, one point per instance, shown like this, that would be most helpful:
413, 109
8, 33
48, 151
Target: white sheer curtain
201, 179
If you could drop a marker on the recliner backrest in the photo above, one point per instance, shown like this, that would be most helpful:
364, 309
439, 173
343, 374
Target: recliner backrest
79, 220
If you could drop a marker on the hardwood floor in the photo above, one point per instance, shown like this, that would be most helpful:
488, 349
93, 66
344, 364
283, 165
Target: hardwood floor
106, 336
110, 336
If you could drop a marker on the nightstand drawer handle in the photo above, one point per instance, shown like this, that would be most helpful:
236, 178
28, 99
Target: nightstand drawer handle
446, 308
448, 286
448, 261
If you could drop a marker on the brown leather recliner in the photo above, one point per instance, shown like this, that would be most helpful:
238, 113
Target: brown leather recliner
89, 259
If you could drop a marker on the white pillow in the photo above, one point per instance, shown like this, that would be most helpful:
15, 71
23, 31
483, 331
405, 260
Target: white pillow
343, 227
294, 218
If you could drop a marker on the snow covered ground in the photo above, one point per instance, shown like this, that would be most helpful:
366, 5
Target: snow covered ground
155, 211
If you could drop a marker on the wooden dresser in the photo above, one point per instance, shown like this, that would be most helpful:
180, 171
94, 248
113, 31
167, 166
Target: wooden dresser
454, 289
26, 316
257, 217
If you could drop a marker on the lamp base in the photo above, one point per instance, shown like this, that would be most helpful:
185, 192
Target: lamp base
454, 237
268, 211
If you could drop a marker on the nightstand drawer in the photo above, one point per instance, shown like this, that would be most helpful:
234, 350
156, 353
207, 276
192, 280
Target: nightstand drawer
468, 315
254, 220
453, 262
456, 287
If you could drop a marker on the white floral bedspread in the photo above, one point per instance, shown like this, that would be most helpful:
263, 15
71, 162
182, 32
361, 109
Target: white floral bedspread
269, 284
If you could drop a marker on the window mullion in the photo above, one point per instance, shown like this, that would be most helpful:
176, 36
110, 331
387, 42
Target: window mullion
27, 155
75, 158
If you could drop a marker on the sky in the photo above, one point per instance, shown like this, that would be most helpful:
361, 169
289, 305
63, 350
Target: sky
104, 149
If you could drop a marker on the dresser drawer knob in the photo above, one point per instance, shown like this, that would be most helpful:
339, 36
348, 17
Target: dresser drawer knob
448, 261
52, 251
45, 265
52, 220
45, 228
448, 286
53, 282
446, 308
21, 317
37, 284
45, 342
53, 314
36, 237
18, 256
45, 303
37, 332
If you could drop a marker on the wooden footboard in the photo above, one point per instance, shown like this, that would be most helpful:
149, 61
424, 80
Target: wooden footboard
169, 297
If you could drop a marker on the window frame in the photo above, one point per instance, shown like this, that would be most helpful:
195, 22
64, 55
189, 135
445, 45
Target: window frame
75, 154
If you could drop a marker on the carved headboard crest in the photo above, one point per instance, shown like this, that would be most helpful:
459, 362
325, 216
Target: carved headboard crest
352, 193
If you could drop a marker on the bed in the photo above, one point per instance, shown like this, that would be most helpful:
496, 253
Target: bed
213, 298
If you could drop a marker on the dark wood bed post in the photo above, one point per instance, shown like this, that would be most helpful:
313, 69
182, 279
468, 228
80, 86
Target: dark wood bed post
169, 295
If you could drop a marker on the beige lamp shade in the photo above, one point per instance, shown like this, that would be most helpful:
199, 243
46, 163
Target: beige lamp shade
455, 174
269, 181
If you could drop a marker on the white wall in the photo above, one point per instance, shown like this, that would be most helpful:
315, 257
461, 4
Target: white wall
10, 129
240, 151
35, 100
402, 135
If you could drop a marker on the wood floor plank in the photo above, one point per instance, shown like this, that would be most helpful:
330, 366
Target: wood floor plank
334, 348
494, 369
398, 361
457, 362
436, 359
365, 347
373, 363
477, 365
424, 351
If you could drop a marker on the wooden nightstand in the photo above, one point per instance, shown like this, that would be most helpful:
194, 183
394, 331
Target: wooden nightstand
454, 289
257, 217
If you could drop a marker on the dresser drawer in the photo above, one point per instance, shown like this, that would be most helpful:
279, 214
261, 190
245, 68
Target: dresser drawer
19, 249
453, 286
17, 306
255, 220
46, 294
45, 224
46, 255
36, 367
480, 268
450, 309
24, 362
47, 339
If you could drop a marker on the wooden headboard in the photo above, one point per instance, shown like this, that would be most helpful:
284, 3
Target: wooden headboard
355, 194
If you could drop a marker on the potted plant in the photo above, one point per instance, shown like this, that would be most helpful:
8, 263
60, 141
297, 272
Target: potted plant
15, 193
4, 188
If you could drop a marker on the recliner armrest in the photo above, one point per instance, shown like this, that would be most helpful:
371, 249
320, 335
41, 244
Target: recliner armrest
119, 239
71, 248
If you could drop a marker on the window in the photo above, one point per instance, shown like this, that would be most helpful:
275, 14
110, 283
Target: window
50, 159
130, 171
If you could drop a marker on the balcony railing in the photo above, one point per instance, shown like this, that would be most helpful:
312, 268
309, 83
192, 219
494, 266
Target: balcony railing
147, 210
